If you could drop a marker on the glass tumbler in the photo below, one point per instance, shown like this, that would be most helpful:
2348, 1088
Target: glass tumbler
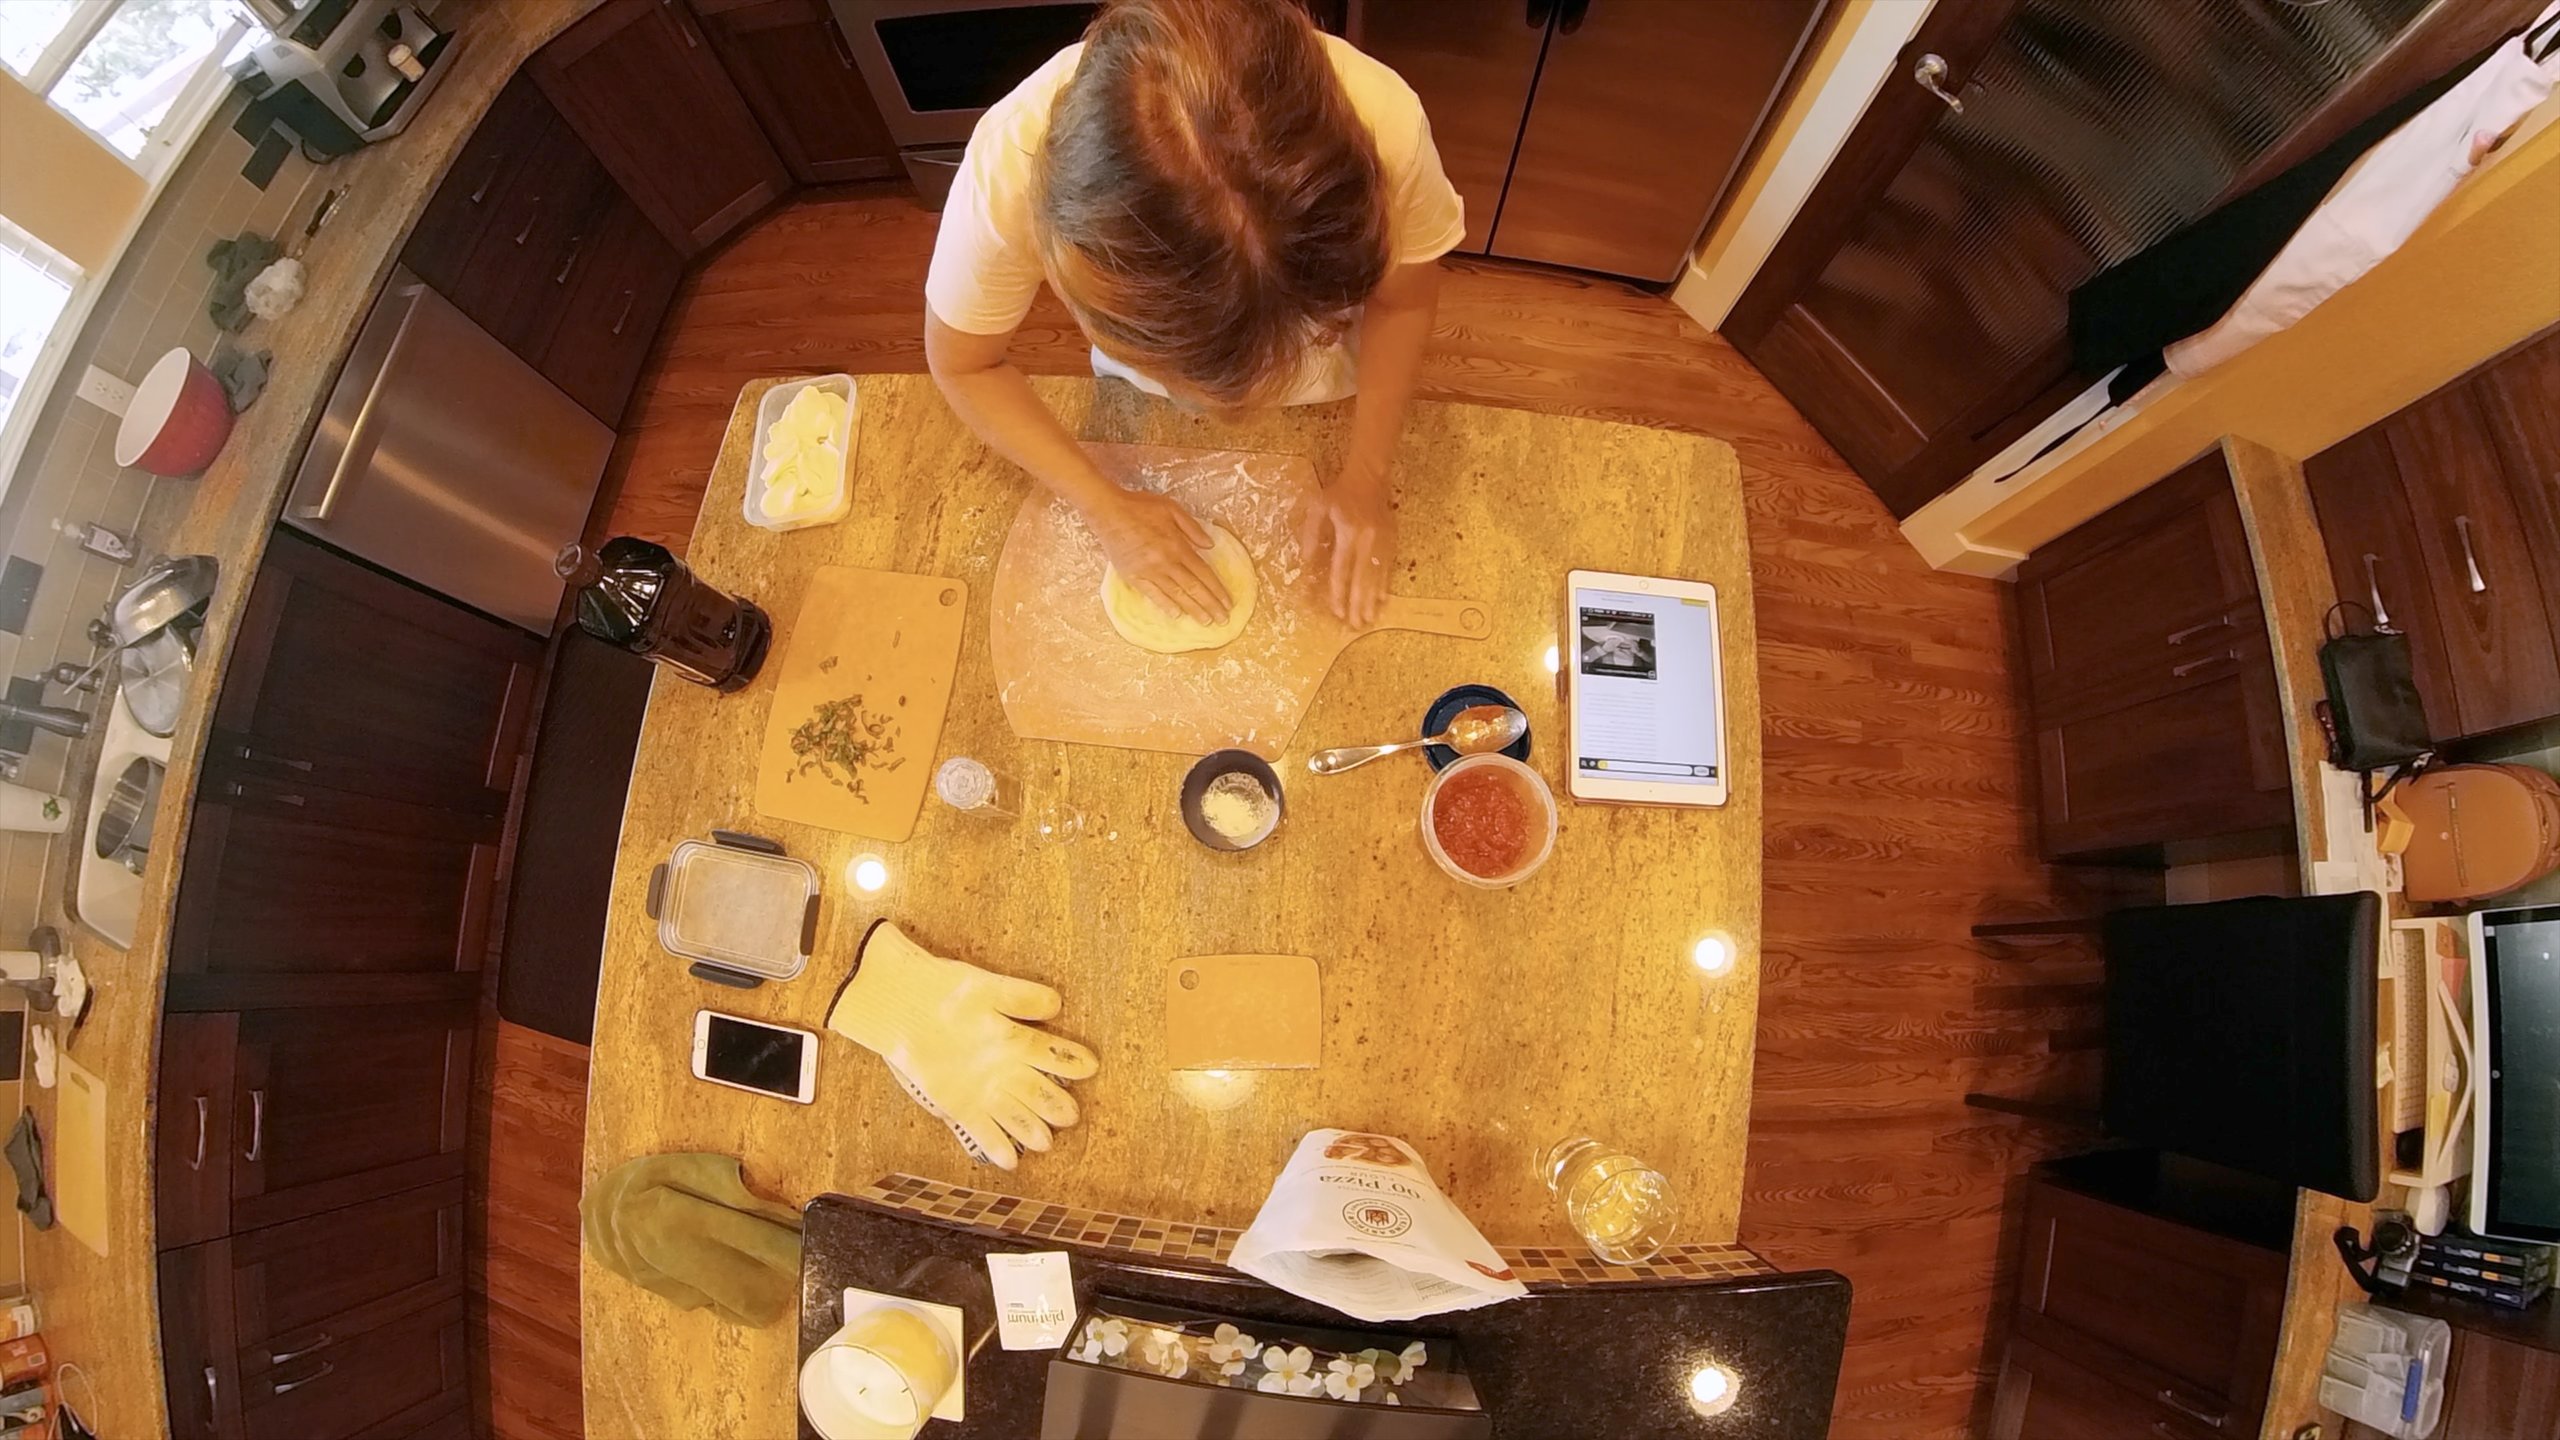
1620, 1206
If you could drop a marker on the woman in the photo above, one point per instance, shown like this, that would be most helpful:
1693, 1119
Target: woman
1237, 209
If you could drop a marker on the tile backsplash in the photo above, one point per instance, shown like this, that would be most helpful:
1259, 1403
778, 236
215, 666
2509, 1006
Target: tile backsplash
154, 299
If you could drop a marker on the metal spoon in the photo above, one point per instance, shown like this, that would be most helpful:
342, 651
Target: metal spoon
1476, 730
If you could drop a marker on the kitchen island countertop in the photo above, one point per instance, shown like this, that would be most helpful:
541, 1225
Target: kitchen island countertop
1479, 1026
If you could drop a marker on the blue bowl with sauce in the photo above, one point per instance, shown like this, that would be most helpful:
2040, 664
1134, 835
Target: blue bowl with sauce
1446, 708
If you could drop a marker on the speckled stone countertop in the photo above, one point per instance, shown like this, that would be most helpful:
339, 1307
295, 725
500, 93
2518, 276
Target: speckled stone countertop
102, 1310
1478, 1026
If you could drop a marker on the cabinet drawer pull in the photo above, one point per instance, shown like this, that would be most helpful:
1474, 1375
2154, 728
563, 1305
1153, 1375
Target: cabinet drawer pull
212, 1400
2373, 587
629, 299
497, 167
2470, 562
2181, 637
287, 1357
204, 1118
287, 1387
2182, 671
536, 214
844, 52
2197, 1413
257, 1125
252, 753
569, 261
237, 791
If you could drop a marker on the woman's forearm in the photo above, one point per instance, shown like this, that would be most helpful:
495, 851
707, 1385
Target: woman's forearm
1393, 332
996, 402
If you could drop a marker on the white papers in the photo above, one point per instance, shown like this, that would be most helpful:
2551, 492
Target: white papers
1355, 1222
1035, 1299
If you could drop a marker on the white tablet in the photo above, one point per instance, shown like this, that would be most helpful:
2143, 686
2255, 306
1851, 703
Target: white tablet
1644, 666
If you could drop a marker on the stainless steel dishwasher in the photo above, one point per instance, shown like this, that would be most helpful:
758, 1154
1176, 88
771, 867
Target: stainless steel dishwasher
444, 458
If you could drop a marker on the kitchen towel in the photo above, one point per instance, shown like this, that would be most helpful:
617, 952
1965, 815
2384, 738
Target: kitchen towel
687, 1227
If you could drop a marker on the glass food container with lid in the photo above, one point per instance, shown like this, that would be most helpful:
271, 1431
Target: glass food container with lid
737, 907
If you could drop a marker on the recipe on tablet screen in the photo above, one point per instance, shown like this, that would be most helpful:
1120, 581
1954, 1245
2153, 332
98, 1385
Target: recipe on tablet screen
1646, 683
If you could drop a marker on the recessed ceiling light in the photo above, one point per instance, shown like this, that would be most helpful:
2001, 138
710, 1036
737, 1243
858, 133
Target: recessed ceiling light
1713, 953
867, 872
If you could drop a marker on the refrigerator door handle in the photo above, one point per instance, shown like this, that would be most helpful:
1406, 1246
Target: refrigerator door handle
358, 450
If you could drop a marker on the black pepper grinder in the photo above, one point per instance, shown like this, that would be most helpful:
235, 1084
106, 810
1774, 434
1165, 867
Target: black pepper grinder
637, 596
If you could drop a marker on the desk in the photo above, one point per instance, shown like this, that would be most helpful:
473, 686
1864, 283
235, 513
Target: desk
1479, 1026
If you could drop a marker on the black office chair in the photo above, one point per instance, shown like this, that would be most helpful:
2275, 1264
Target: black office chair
2240, 1032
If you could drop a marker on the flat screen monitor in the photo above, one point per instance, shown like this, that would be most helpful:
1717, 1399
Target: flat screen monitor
2515, 1156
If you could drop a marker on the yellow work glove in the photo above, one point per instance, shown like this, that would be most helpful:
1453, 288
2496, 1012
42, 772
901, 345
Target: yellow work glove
953, 1036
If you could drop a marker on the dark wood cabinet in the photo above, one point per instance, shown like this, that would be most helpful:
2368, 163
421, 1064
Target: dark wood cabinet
302, 1287
617, 297
274, 1114
796, 72
2150, 681
355, 790
532, 239
2042, 1396
2445, 520
514, 280
337, 1104
484, 175
388, 1381
1550, 119
638, 82
2125, 1323
191, 1128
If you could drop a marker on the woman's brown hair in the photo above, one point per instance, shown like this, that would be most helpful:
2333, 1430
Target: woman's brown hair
1208, 203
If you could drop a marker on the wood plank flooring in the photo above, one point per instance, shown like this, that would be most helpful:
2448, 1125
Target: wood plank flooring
1899, 807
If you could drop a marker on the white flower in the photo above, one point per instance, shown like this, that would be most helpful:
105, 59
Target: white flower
1165, 1353
1230, 1350
1345, 1377
1397, 1369
1108, 1335
1289, 1372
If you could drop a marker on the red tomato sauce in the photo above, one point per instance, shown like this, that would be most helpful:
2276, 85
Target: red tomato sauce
1482, 822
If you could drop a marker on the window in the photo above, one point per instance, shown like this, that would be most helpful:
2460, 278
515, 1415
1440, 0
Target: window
35, 285
123, 68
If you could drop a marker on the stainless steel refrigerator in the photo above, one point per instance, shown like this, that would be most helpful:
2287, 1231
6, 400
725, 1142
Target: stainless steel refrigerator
443, 457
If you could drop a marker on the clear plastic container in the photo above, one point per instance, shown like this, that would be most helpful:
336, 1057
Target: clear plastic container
1534, 794
736, 904
770, 409
2387, 1370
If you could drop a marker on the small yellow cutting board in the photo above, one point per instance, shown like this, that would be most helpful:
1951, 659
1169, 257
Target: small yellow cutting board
1243, 1012
79, 1154
862, 685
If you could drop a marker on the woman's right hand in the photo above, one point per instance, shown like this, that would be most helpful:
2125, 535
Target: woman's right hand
1160, 550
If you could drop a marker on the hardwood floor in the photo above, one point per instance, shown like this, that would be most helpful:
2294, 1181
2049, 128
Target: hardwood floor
1898, 795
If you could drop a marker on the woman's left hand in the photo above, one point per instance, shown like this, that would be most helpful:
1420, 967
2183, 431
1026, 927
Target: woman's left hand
1356, 517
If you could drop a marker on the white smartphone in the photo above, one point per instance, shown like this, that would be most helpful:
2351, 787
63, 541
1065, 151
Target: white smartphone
752, 1055
1644, 665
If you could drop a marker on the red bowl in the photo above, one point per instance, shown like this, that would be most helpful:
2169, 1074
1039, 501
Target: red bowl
178, 419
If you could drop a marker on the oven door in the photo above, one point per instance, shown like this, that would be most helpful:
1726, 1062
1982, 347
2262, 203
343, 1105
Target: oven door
934, 66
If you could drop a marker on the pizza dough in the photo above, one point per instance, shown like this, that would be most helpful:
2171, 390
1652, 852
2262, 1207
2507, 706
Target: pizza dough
1149, 626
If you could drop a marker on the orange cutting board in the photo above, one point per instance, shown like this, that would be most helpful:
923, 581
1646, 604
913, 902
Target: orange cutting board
1243, 1012
881, 647
1062, 672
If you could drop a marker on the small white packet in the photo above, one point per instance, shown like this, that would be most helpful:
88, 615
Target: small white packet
1035, 1299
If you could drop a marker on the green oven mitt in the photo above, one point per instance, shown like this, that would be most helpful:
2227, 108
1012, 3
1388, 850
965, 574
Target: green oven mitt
954, 1036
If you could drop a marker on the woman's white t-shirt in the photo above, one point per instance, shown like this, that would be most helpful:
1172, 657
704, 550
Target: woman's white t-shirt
986, 263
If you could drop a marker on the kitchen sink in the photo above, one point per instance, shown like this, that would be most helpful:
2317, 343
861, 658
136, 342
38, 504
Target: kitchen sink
107, 888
